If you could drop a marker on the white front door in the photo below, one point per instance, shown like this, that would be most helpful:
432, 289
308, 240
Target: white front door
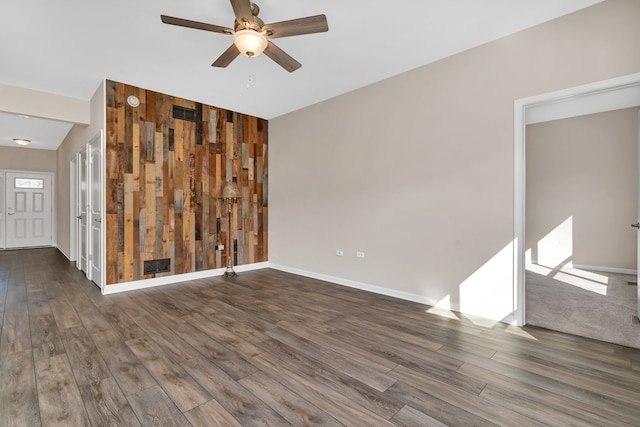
29, 214
2, 212
95, 209
82, 214
638, 224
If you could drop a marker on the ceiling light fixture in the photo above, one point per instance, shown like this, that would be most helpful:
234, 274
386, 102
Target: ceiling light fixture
21, 141
250, 42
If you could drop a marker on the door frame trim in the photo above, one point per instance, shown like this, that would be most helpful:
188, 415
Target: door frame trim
519, 138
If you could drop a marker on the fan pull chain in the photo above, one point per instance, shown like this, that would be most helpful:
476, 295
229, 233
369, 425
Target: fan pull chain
250, 83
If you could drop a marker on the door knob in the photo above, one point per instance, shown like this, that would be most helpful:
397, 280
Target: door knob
636, 225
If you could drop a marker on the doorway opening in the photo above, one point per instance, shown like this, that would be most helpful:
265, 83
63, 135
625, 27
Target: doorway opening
565, 103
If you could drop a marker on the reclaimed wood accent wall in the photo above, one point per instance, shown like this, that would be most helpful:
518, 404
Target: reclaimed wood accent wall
166, 163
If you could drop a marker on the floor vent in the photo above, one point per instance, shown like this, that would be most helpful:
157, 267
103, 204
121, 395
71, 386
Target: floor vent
632, 283
157, 266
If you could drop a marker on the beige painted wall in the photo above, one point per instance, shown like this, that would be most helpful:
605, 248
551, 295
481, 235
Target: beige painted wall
417, 171
582, 190
45, 105
27, 159
76, 140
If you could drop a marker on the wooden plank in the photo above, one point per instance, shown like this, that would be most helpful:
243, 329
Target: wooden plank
15, 336
121, 322
18, 392
211, 414
45, 335
290, 405
58, 395
183, 390
64, 313
154, 408
87, 364
106, 405
125, 367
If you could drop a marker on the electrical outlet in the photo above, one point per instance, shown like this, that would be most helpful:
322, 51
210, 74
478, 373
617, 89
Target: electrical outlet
339, 252
360, 254
219, 247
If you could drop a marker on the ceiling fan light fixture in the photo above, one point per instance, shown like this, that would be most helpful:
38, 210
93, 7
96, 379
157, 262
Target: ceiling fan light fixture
21, 141
250, 43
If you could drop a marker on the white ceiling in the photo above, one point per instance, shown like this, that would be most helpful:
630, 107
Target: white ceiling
68, 47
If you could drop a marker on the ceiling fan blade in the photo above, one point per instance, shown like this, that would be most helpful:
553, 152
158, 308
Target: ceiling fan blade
242, 10
227, 57
281, 57
193, 24
296, 27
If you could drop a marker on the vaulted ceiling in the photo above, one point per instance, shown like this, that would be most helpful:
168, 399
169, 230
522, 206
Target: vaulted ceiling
68, 47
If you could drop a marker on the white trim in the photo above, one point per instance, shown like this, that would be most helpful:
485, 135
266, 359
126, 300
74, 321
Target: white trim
605, 269
73, 203
63, 252
366, 287
177, 278
520, 106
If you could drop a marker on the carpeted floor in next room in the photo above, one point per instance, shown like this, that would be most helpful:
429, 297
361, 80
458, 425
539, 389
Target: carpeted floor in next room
598, 305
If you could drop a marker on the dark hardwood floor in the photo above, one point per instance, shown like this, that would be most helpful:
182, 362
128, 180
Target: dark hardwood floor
271, 348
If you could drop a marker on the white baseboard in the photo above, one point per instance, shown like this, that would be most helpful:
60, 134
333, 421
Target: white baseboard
605, 269
177, 278
366, 287
601, 268
64, 253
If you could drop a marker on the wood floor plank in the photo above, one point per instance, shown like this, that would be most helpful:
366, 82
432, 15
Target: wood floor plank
58, 394
332, 378
15, 336
545, 400
333, 403
178, 384
410, 417
106, 405
154, 408
86, 362
45, 334
125, 367
376, 379
121, 322
211, 414
18, 392
291, 406
472, 402
64, 313
436, 408
221, 334
233, 363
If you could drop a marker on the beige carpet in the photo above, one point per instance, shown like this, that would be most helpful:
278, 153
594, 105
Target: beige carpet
591, 304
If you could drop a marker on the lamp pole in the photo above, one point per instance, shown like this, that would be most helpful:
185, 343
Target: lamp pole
230, 194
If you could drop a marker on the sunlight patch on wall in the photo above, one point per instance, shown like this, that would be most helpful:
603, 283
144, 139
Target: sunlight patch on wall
488, 292
557, 246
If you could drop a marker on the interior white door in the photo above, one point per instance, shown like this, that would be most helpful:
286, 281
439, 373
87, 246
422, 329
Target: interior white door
2, 213
82, 214
95, 209
29, 213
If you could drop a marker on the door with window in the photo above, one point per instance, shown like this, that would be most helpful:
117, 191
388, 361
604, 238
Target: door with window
28, 209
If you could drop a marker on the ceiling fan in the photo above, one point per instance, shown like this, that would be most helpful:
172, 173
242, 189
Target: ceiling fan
251, 36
